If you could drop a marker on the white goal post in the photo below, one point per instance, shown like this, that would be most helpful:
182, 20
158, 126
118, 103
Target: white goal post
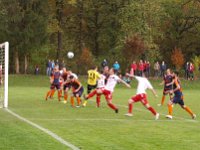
4, 63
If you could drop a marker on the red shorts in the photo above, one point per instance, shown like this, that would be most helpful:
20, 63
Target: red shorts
107, 94
140, 97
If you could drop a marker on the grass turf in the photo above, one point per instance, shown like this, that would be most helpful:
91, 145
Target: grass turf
92, 128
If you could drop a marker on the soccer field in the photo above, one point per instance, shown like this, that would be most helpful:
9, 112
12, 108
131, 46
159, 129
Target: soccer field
92, 128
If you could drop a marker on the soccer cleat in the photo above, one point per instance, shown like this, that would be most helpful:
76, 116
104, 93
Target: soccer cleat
78, 106
194, 116
65, 102
116, 111
85, 97
84, 104
159, 105
129, 114
169, 116
157, 116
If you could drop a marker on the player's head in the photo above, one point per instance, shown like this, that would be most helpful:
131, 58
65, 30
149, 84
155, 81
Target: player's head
71, 77
64, 69
111, 71
106, 69
56, 68
168, 71
95, 68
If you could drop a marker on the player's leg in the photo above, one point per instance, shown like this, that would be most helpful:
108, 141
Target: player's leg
108, 97
52, 88
186, 108
66, 89
98, 100
132, 100
170, 107
145, 102
90, 95
78, 96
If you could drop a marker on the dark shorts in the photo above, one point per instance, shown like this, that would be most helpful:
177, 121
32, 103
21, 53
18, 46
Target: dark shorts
68, 85
53, 86
80, 92
178, 99
90, 87
167, 89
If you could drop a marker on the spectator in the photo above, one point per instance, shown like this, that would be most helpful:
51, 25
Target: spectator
37, 70
104, 63
156, 69
141, 68
57, 63
147, 69
191, 71
163, 68
187, 66
48, 65
116, 67
127, 79
52, 64
62, 65
133, 68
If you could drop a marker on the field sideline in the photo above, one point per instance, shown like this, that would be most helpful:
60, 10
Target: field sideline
94, 128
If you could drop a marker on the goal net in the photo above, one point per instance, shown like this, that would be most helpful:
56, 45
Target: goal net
4, 50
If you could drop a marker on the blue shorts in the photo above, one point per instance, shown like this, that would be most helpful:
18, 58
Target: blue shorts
178, 99
57, 86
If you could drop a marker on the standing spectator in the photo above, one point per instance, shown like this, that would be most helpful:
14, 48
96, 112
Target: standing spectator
116, 67
156, 69
187, 66
62, 65
163, 68
57, 63
147, 69
37, 70
52, 64
133, 68
104, 63
48, 71
141, 68
191, 71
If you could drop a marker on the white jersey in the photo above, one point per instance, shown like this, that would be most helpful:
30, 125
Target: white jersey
101, 81
111, 82
143, 84
75, 76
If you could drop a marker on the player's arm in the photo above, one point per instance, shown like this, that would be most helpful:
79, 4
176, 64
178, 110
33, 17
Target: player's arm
80, 85
122, 81
154, 92
177, 86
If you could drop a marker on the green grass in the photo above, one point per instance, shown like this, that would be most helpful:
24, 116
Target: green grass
94, 128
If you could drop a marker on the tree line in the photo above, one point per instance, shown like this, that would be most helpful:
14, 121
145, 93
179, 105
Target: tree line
122, 30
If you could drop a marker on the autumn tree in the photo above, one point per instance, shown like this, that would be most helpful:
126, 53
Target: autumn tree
133, 47
177, 58
85, 61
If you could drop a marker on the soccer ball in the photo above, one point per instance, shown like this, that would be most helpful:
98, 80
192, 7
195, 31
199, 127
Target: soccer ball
70, 55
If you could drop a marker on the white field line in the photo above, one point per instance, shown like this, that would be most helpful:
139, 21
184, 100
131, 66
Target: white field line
108, 119
55, 136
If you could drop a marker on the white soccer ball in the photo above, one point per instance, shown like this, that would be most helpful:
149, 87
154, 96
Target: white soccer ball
70, 55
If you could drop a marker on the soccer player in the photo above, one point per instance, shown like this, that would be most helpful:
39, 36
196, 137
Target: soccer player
167, 81
141, 96
77, 90
66, 84
93, 76
178, 98
100, 86
109, 89
55, 83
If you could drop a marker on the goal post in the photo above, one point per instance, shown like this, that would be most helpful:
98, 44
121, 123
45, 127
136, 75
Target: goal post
4, 63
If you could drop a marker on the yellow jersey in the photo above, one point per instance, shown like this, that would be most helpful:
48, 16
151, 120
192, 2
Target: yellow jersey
93, 76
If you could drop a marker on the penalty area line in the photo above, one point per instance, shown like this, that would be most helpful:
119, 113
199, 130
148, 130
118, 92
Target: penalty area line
55, 136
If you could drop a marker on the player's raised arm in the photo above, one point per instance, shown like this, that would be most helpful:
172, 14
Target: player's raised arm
122, 81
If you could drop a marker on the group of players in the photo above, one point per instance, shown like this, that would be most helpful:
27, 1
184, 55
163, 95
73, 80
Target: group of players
104, 83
